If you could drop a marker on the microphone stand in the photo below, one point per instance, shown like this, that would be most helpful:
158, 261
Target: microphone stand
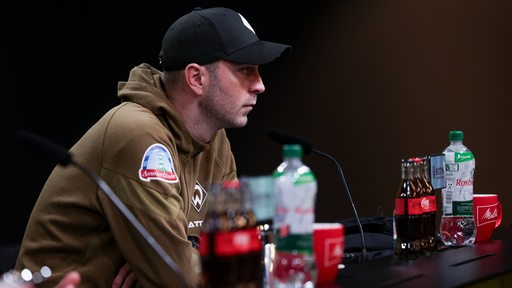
282, 137
364, 252
128, 214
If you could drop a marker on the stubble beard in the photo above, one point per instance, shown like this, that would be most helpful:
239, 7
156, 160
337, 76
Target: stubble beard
220, 110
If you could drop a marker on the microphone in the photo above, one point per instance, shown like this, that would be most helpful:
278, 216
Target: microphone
64, 158
283, 137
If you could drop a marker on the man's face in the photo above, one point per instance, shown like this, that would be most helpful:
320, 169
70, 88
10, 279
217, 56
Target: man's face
231, 93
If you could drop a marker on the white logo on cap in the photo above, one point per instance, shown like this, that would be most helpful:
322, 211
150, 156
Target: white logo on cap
246, 23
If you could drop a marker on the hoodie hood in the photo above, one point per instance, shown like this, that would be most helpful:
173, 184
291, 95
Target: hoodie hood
144, 87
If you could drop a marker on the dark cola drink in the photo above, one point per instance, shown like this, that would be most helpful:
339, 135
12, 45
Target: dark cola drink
232, 259
408, 216
425, 191
429, 205
420, 192
230, 245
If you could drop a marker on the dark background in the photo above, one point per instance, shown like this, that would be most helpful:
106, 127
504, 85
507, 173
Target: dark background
369, 82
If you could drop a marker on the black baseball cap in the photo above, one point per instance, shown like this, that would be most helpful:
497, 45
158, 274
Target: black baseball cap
206, 35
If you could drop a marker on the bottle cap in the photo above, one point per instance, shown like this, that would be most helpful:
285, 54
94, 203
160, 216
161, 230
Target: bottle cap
292, 150
456, 135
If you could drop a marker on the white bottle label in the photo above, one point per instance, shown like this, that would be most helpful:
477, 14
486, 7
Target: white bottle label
295, 202
458, 194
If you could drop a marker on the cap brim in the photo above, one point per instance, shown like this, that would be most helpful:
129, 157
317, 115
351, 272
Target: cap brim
259, 52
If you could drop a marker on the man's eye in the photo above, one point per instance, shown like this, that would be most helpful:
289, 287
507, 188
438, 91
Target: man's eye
248, 70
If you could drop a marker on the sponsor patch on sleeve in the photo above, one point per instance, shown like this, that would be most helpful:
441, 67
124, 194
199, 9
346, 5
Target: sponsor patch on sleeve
157, 164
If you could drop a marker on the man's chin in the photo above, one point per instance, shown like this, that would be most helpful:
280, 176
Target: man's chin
240, 123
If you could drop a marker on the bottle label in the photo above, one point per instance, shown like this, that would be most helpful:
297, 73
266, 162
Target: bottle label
413, 206
463, 208
458, 194
295, 202
437, 171
300, 243
231, 243
298, 178
261, 189
428, 204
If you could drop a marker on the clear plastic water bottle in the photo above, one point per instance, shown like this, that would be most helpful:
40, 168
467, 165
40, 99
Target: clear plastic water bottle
457, 226
295, 188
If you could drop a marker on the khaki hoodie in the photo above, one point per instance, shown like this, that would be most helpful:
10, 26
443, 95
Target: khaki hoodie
143, 151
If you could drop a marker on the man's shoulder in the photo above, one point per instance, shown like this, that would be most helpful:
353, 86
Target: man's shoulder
130, 119
129, 114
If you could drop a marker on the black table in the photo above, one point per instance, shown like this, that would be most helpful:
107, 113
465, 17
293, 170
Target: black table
485, 264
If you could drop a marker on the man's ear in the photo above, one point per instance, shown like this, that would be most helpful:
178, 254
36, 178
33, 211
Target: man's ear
194, 75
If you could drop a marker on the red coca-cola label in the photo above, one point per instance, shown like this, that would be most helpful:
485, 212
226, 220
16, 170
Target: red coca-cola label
428, 204
231, 243
413, 206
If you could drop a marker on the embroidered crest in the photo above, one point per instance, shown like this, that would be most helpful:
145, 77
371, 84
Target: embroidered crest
157, 165
199, 197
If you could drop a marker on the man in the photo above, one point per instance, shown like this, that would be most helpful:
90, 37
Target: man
158, 150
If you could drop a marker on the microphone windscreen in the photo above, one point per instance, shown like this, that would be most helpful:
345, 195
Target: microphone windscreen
57, 152
282, 137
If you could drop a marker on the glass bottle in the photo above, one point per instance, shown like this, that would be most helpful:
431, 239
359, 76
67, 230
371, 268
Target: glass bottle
230, 245
407, 216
